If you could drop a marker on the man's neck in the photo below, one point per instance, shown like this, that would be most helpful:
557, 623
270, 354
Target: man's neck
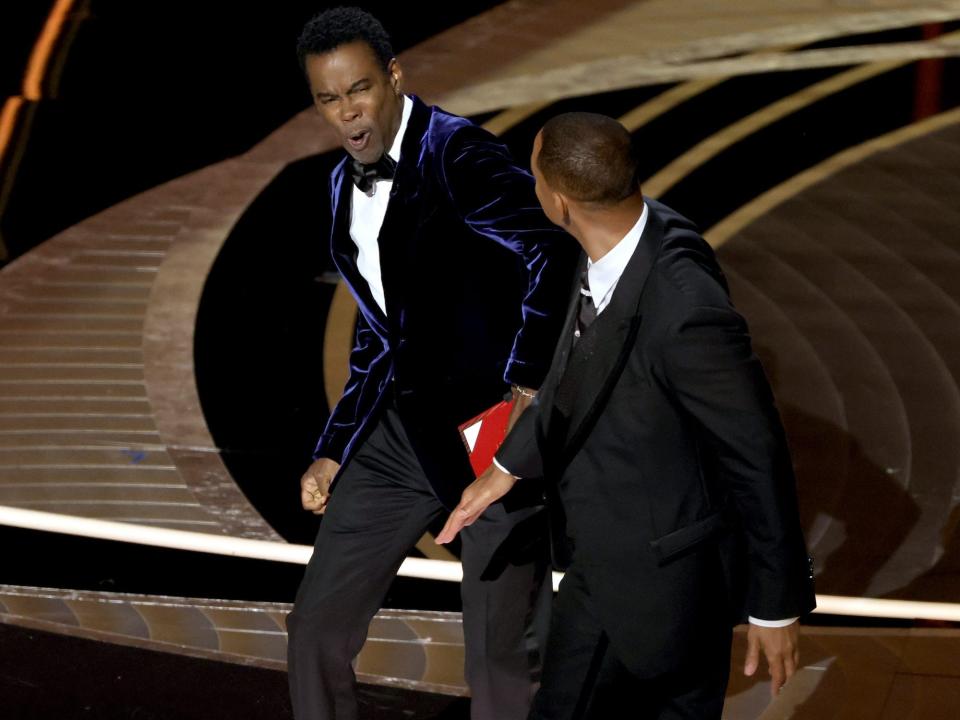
600, 230
397, 122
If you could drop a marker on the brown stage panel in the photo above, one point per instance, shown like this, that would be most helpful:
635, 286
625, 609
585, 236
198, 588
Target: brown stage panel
78, 431
851, 291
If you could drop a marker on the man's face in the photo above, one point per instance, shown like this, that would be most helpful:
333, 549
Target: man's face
545, 193
357, 98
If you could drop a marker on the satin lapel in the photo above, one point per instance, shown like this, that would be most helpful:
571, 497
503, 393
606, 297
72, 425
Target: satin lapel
565, 345
551, 383
344, 252
400, 224
598, 359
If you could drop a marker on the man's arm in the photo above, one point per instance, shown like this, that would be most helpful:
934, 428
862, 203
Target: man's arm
519, 453
715, 376
495, 198
315, 483
366, 349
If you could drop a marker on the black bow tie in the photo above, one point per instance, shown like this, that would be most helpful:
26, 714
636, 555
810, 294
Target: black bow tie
365, 175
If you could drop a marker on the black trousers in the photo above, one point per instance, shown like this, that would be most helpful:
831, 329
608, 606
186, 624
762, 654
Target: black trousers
584, 680
381, 505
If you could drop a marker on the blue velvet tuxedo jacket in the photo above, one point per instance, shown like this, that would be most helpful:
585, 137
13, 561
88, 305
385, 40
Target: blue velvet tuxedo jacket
659, 432
475, 280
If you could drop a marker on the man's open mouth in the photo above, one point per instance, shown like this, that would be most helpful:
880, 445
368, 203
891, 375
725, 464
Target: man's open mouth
358, 140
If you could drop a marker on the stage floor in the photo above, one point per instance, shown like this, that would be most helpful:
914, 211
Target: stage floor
109, 655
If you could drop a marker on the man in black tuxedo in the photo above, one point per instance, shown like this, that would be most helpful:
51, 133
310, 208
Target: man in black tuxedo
657, 428
461, 284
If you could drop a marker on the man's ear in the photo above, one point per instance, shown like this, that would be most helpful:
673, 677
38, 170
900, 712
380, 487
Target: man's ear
396, 75
562, 205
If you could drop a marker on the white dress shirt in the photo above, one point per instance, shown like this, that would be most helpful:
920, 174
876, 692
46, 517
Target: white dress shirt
366, 217
603, 275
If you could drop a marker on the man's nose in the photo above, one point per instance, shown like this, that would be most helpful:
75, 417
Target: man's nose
349, 110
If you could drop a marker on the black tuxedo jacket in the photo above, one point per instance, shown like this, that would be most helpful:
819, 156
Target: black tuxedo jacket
475, 280
659, 431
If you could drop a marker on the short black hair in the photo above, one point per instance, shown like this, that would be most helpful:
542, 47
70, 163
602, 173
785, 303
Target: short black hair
590, 157
328, 30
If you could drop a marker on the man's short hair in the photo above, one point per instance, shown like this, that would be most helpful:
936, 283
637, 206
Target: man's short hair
589, 157
328, 30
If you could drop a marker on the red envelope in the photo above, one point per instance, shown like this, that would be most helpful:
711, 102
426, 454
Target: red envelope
483, 434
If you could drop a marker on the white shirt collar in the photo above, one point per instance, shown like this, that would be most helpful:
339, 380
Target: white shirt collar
602, 275
394, 150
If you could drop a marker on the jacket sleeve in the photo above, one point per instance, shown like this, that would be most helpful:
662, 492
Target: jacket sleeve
496, 199
342, 423
519, 454
710, 366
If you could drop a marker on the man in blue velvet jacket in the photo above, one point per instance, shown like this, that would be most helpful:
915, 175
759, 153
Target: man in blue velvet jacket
461, 285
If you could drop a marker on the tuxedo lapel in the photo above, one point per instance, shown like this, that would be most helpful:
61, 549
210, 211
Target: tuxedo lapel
398, 232
344, 252
597, 360
565, 344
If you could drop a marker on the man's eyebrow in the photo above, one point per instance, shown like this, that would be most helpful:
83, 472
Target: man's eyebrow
327, 93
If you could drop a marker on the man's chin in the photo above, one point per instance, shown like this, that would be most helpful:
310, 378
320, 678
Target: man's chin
367, 156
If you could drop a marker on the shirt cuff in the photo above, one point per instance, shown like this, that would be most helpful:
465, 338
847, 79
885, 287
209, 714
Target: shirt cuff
503, 469
772, 623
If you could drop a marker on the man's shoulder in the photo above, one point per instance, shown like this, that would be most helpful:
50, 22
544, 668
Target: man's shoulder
686, 272
443, 122
445, 130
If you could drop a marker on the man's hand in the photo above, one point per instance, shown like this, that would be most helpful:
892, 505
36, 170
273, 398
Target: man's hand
522, 399
780, 646
478, 496
315, 485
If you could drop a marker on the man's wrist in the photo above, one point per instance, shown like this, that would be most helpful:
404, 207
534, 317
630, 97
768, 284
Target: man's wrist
523, 391
772, 623
502, 469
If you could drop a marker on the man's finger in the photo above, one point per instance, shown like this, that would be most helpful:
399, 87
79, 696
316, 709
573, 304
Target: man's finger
311, 497
753, 655
789, 665
471, 519
777, 673
450, 529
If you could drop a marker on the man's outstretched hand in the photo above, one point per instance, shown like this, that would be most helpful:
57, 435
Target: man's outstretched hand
478, 496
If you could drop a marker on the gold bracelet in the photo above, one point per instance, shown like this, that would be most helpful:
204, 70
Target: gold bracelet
524, 391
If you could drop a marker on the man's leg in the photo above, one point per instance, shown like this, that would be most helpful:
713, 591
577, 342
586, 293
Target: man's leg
506, 594
695, 692
379, 508
584, 680
576, 649
698, 692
